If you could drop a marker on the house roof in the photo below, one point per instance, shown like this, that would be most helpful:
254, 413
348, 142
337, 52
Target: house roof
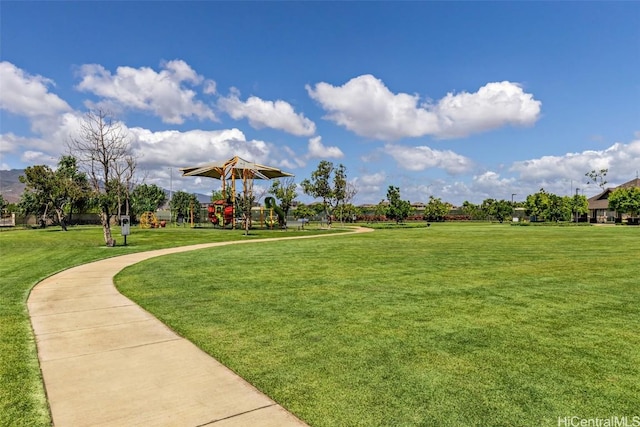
601, 200
630, 184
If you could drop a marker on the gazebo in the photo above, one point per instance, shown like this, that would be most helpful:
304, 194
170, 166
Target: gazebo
234, 169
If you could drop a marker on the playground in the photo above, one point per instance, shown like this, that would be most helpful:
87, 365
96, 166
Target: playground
237, 209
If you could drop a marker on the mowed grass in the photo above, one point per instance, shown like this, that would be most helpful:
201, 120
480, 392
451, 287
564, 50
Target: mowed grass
28, 256
484, 325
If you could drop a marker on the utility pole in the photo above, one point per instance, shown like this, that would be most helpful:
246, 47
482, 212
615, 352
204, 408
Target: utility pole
170, 183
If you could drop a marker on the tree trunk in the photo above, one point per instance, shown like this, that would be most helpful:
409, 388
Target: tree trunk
61, 219
105, 218
43, 219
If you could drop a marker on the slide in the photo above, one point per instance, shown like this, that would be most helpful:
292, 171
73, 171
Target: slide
270, 203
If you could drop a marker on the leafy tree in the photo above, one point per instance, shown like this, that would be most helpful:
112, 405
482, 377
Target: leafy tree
147, 198
625, 200
43, 192
473, 211
436, 209
11, 207
76, 184
537, 204
551, 207
340, 191
30, 205
55, 191
557, 210
380, 211
329, 184
303, 211
597, 177
487, 207
578, 205
398, 209
3, 203
318, 208
219, 195
181, 205
351, 212
499, 209
285, 191
104, 150
343, 211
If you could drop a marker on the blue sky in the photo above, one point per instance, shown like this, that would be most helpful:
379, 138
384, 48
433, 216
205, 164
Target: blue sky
459, 100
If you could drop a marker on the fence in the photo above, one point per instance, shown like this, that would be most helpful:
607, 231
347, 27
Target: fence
8, 220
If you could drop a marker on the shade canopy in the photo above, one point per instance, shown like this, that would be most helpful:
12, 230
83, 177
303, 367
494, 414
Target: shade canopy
235, 168
232, 169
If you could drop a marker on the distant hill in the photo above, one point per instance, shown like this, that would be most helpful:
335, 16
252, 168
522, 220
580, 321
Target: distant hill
11, 188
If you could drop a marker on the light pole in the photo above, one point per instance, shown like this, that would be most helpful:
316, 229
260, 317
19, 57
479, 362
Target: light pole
513, 194
170, 183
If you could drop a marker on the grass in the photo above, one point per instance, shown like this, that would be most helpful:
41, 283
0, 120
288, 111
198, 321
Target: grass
28, 256
474, 324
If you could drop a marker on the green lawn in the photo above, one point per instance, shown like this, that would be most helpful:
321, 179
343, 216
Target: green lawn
456, 324
28, 256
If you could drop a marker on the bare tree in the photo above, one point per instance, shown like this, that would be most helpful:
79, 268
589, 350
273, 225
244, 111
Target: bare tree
124, 172
597, 177
350, 192
103, 149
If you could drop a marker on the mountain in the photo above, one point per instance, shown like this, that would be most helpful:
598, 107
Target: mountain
10, 186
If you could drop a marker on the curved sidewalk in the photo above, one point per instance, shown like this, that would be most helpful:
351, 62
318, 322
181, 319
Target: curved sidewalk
106, 361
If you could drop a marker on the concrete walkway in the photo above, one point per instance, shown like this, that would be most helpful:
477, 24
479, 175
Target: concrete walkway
107, 362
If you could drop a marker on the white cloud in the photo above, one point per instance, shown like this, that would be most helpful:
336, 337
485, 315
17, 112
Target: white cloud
267, 114
27, 95
490, 185
370, 187
494, 105
209, 87
162, 93
39, 158
286, 158
367, 107
194, 147
54, 134
319, 151
422, 157
159, 151
622, 160
11, 143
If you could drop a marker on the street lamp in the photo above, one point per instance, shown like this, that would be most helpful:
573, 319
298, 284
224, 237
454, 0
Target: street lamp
513, 194
170, 183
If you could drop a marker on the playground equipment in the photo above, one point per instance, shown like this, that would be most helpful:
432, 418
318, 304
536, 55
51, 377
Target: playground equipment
228, 172
148, 220
220, 212
270, 204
